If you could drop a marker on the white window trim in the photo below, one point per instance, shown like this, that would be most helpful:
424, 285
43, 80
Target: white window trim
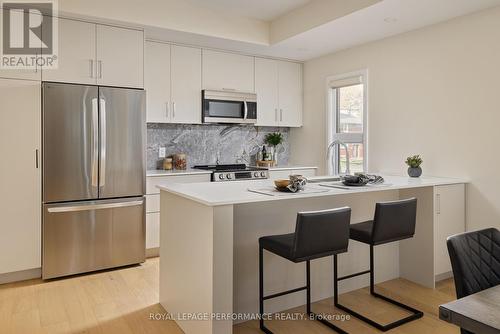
332, 119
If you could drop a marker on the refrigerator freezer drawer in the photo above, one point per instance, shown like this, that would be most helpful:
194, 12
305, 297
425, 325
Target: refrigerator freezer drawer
92, 235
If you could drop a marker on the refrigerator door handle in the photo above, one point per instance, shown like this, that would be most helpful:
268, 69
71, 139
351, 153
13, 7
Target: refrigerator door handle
95, 142
88, 207
102, 162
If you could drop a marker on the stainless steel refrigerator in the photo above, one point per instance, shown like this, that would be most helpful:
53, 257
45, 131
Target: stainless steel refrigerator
93, 178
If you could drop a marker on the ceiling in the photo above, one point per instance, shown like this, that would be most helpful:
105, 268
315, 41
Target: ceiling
375, 22
265, 10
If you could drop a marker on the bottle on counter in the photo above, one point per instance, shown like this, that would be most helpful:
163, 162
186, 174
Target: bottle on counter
264, 154
167, 163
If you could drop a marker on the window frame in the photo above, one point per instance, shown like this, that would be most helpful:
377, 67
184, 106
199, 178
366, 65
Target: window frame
333, 118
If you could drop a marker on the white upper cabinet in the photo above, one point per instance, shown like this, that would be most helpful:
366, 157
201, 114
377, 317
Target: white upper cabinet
279, 93
157, 82
96, 54
228, 71
186, 84
20, 178
173, 83
266, 87
76, 54
290, 94
120, 57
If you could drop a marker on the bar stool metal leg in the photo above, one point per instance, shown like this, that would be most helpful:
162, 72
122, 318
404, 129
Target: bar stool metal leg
262, 298
261, 292
416, 314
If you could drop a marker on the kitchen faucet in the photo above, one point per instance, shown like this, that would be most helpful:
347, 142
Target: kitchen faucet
348, 159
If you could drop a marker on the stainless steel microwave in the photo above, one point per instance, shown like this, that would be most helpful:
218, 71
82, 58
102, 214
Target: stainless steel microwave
229, 107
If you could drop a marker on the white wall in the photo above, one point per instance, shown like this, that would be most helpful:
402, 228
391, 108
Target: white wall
435, 92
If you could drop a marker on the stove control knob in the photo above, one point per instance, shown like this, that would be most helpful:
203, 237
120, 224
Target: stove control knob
221, 176
229, 176
256, 174
263, 174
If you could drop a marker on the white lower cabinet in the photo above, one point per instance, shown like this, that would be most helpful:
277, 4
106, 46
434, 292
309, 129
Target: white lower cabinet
152, 230
449, 219
20, 178
153, 203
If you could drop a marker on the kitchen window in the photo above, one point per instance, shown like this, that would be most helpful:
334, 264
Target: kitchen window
347, 107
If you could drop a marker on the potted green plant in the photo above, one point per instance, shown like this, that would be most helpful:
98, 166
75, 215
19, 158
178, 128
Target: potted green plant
274, 139
414, 162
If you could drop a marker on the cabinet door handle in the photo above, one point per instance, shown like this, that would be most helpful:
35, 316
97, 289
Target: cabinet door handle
229, 89
100, 68
173, 109
281, 114
36, 159
91, 67
167, 111
276, 114
438, 204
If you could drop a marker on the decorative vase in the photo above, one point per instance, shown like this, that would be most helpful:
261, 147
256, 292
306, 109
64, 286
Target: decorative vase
275, 155
414, 171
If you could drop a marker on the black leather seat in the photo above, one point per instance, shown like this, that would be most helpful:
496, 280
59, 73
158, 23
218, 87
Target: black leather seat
475, 260
393, 221
317, 234
362, 232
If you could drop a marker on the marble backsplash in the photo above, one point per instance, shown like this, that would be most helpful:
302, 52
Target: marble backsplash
203, 143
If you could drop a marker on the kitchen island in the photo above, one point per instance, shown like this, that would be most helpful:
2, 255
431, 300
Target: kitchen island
209, 235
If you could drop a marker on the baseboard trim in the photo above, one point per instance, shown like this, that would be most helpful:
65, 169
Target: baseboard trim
22, 275
152, 252
443, 276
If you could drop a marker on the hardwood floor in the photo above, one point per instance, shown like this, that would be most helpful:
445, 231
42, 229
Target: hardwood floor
121, 301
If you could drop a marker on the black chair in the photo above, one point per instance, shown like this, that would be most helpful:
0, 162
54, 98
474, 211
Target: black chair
317, 234
475, 260
393, 221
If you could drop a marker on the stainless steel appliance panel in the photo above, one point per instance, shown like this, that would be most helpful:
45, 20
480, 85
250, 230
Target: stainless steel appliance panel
229, 107
122, 142
92, 235
70, 142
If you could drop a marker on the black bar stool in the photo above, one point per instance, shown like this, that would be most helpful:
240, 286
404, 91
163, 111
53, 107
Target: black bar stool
317, 234
393, 221
475, 260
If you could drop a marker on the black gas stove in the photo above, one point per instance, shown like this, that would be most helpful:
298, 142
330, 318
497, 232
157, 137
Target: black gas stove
235, 172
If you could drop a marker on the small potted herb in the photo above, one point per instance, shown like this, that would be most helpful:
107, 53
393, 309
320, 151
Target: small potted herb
274, 139
414, 162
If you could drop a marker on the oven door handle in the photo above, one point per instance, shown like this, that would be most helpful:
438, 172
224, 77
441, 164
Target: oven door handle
246, 110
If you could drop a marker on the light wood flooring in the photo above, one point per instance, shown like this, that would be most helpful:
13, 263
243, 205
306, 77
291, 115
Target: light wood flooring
121, 301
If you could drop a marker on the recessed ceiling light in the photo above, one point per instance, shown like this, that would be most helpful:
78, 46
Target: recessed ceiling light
390, 20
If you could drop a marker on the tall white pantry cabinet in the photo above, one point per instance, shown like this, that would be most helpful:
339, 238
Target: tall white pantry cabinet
20, 175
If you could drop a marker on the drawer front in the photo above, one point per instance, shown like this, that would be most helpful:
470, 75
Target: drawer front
152, 203
152, 230
153, 181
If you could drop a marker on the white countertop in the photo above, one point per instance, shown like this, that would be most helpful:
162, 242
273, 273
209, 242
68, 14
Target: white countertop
189, 171
236, 192
192, 171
